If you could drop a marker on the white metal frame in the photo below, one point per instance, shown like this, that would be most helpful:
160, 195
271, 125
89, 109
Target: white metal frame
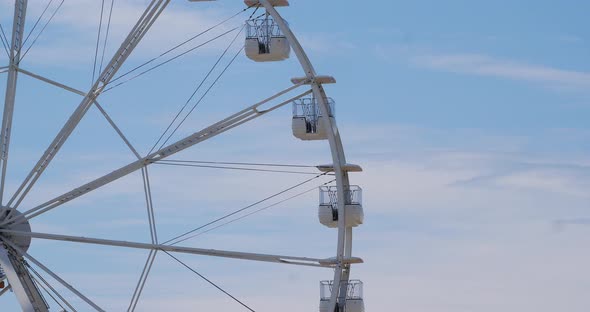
341, 264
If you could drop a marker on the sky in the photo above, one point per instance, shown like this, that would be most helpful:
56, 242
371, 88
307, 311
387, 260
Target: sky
469, 119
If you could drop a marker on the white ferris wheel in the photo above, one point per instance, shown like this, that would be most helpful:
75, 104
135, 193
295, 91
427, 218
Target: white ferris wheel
268, 39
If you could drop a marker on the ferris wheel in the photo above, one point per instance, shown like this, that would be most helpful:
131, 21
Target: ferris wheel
268, 40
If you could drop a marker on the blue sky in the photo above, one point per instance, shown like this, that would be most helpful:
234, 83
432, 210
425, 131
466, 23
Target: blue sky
469, 118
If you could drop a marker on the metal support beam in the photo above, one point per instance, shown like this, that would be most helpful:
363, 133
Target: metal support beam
51, 82
28, 295
48, 285
116, 128
142, 279
18, 29
314, 262
55, 276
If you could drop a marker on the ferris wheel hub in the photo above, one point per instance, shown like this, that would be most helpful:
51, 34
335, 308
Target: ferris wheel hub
7, 214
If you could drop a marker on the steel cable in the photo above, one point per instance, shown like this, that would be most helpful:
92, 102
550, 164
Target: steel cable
97, 42
178, 45
254, 212
37, 22
42, 29
196, 90
243, 209
209, 281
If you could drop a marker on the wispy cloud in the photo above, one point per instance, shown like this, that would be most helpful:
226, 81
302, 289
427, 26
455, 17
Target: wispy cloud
485, 65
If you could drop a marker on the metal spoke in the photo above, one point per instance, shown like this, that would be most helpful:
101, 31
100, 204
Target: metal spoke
305, 261
51, 82
48, 285
149, 16
52, 274
149, 204
226, 124
25, 290
142, 279
119, 132
18, 28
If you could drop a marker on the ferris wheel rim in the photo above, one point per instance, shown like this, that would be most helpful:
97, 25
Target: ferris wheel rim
344, 245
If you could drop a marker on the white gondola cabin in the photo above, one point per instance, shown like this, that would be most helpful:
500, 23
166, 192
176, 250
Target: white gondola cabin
354, 296
353, 208
265, 42
307, 123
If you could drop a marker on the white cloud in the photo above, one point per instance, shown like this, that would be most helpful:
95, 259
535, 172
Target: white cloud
484, 65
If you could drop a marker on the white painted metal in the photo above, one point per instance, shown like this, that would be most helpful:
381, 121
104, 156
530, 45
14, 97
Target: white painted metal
346, 167
18, 29
342, 271
57, 294
353, 296
307, 123
264, 41
22, 285
142, 280
279, 50
276, 3
52, 82
352, 305
301, 129
317, 79
116, 128
354, 215
52, 274
305, 261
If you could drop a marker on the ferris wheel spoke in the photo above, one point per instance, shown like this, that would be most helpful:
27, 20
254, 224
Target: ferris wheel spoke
152, 12
142, 279
207, 133
117, 129
18, 28
3, 69
53, 275
149, 204
51, 82
49, 288
292, 260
